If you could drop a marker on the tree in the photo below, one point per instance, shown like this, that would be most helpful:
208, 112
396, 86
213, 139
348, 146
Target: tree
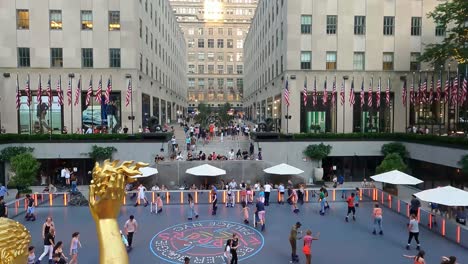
453, 17
392, 161
7, 153
464, 164
223, 114
25, 167
395, 147
204, 112
317, 152
101, 153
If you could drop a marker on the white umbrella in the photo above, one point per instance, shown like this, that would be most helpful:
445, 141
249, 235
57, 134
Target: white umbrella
205, 170
146, 172
396, 177
448, 195
283, 169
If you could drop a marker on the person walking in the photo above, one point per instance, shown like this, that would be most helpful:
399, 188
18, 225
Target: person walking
413, 230
377, 214
58, 251
322, 200
292, 240
351, 207
415, 204
192, 211
281, 193
234, 246
49, 243
227, 252
74, 244
307, 248
48, 224
30, 214
267, 188
214, 200
261, 213
141, 195
245, 212
130, 228
293, 199
418, 259
32, 256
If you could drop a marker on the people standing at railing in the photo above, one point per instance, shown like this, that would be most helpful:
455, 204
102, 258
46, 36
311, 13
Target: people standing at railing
300, 194
159, 203
413, 231
415, 204
281, 193
377, 215
267, 188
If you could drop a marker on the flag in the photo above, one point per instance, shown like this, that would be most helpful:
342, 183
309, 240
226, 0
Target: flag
98, 96
18, 94
424, 91
78, 92
352, 100
431, 92
334, 93
109, 90
342, 93
286, 92
447, 89
387, 93
419, 93
404, 95
325, 93
304, 93
464, 91
314, 94
455, 91
28, 92
59, 91
89, 94
412, 93
363, 97
377, 95
369, 94
128, 98
39, 92
69, 91
49, 92
439, 89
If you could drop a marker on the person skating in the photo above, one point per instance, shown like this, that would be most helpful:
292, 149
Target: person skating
74, 244
267, 187
192, 211
234, 246
413, 231
227, 252
351, 207
293, 199
377, 215
214, 200
245, 212
130, 228
418, 259
281, 193
49, 243
30, 214
141, 195
292, 240
159, 204
308, 238
261, 213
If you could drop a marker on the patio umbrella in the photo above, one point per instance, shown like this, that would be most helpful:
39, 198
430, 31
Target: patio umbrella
396, 177
448, 195
206, 170
146, 172
283, 169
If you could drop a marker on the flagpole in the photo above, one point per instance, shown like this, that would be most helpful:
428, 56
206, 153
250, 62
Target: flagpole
432, 98
465, 100
92, 101
448, 100
344, 103
29, 95
70, 77
440, 103
392, 104
80, 103
457, 111
50, 106
406, 102
335, 110
131, 102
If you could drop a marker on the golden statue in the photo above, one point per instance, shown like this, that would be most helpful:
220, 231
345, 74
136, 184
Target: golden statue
106, 194
14, 242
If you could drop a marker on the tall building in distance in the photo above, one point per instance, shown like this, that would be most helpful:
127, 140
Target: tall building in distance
81, 43
215, 31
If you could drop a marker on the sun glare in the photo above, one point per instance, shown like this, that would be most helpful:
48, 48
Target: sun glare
213, 10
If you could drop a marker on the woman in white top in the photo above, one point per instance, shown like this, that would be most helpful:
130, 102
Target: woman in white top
141, 195
227, 251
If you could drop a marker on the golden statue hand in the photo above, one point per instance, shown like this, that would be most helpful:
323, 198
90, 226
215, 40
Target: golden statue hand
14, 242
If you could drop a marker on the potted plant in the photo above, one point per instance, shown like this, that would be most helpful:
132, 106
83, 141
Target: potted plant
317, 152
25, 166
99, 154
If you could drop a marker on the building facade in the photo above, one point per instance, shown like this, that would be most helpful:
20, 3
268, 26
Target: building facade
326, 44
83, 44
215, 33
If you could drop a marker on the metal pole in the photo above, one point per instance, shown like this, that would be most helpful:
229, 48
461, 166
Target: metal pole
457, 110
131, 105
448, 100
29, 106
50, 107
92, 103
440, 104
344, 103
71, 105
287, 119
406, 102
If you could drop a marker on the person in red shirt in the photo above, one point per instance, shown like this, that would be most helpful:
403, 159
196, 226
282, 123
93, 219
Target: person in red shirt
351, 207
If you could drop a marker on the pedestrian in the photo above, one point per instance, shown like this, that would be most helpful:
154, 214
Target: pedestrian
413, 230
301, 194
418, 259
322, 200
192, 211
292, 240
377, 214
307, 248
58, 250
293, 199
159, 203
356, 198
30, 214
227, 252
351, 207
234, 246
48, 224
449, 260
130, 228
3, 208
49, 243
3, 191
267, 188
74, 244
261, 213
141, 195
186, 260
415, 204
214, 200
245, 212
281, 193
31, 255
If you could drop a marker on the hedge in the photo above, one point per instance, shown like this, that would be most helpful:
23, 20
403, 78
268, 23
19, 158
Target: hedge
22, 138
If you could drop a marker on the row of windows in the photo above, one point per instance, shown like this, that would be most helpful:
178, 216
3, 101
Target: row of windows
211, 44
360, 25
358, 61
56, 58
55, 19
210, 56
211, 69
201, 31
219, 81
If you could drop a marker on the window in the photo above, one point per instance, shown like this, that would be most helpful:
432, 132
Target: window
200, 31
210, 83
331, 24
86, 20
201, 83
230, 43
211, 56
22, 19
191, 82
331, 60
305, 60
220, 43
220, 83
306, 24
191, 68
220, 31
388, 61
87, 58
220, 56
201, 56
440, 30
141, 62
24, 60
230, 57
388, 25
239, 32
146, 36
56, 58
220, 69
201, 69
239, 56
55, 19
211, 43
359, 25
414, 61
191, 31
141, 28
114, 20
416, 26
191, 56
211, 69
239, 44
230, 83
358, 61
201, 43
114, 58
240, 69
230, 69
191, 43
229, 31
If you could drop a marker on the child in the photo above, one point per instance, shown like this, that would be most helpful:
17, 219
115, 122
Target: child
30, 215
31, 256
356, 198
159, 204
74, 244
245, 211
243, 194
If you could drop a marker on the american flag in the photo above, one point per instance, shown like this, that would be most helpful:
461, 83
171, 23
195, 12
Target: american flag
39, 92
304, 92
464, 91
369, 94
424, 91
419, 93
377, 95
89, 94
314, 93
352, 100
363, 97
128, 98
18, 94
431, 92
412, 93
98, 96
447, 89
325, 93
28, 92
439, 90
69, 91
334, 93
109, 90
78, 92
59, 91
342, 93
49, 92
387, 93
455, 91
404, 95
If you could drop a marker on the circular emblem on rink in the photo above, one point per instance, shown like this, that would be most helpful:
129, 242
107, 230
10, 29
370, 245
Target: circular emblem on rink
204, 241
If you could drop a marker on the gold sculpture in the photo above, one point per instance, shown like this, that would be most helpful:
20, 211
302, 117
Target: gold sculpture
14, 242
106, 194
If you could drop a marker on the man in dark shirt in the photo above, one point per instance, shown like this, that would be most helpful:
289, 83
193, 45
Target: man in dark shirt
260, 212
3, 208
415, 204
292, 240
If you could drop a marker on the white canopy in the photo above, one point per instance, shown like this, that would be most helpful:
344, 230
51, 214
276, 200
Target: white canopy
448, 195
205, 170
146, 172
283, 169
396, 177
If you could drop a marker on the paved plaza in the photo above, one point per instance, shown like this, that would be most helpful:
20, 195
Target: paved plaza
167, 237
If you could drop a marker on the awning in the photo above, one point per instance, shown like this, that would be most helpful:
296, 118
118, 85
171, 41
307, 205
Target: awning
206, 170
146, 172
448, 195
396, 177
283, 169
